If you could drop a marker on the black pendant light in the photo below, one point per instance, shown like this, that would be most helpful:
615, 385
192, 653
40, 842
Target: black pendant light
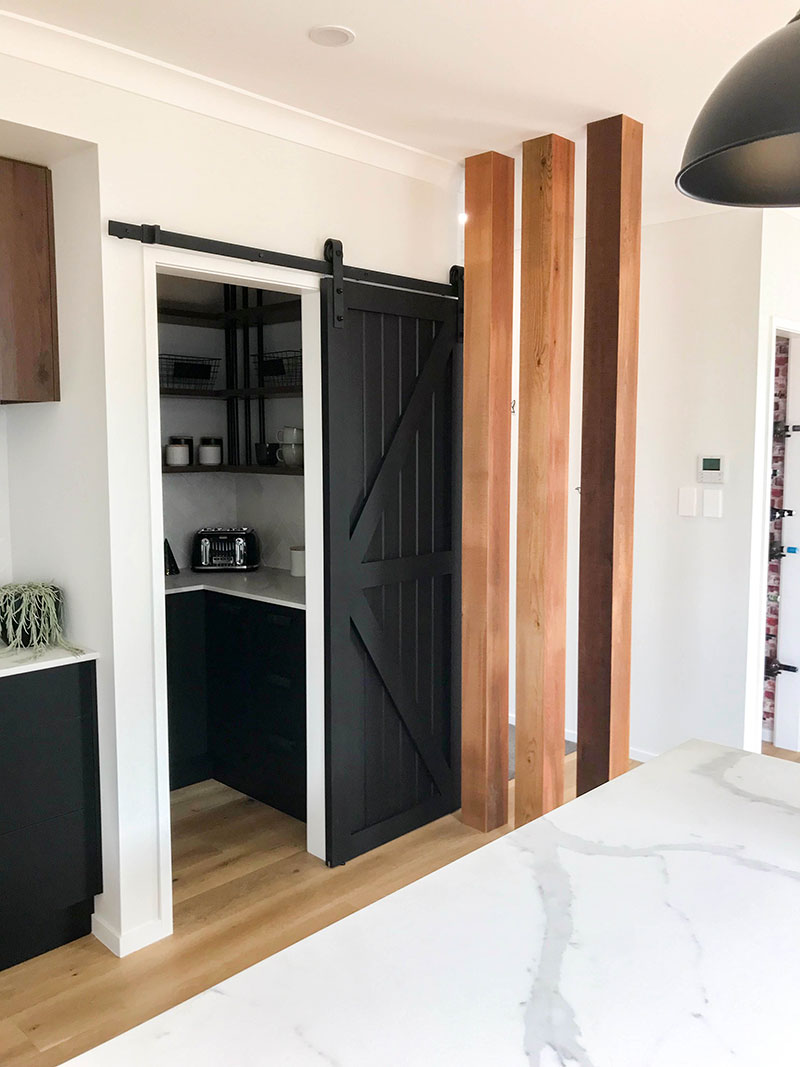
744, 149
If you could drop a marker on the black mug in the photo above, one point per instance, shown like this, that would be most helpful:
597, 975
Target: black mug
267, 454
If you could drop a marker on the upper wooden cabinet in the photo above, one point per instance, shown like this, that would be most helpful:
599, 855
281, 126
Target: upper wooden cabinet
28, 325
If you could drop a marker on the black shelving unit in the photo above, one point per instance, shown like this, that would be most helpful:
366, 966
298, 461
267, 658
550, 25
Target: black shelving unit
244, 311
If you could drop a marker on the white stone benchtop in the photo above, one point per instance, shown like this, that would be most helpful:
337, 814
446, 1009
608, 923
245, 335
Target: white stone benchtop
654, 922
22, 662
268, 584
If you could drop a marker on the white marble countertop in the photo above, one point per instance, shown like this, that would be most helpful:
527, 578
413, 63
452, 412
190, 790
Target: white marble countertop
23, 662
268, 584
651, 923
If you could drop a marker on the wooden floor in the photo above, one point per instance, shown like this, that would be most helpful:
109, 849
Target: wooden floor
780, 753
244, 888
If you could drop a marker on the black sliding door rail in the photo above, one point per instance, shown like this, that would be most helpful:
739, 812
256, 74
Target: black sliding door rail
327, 268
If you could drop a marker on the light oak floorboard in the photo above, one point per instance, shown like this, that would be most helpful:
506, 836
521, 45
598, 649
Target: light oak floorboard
768, 749
244, 888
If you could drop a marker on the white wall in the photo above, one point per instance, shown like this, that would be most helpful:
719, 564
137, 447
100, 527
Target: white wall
698, 359
57, 467
697, 387
194, 174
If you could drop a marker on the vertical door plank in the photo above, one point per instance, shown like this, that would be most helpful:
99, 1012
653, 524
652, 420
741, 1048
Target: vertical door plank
611, 341
548, 184
488, 297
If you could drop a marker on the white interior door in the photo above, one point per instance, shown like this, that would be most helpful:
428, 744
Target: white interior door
787, 690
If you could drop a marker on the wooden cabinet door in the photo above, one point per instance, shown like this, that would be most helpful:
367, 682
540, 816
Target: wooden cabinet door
28, 330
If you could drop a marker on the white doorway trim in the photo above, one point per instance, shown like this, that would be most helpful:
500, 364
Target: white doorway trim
158, 260
759, 558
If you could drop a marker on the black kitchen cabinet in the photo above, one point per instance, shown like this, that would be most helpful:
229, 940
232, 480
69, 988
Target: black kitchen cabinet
50, 852
252, 715
189, 758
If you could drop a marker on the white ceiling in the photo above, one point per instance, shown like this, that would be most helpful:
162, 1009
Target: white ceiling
455, 77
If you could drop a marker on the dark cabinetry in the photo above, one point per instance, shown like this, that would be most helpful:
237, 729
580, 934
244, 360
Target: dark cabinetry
28, 329
252, 714
189, 759
50, 862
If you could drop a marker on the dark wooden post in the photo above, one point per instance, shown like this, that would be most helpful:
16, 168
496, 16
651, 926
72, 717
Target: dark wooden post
611, 341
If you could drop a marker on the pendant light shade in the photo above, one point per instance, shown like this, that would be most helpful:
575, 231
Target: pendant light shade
744, 149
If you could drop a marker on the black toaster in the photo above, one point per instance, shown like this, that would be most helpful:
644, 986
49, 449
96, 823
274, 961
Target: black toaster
226, 548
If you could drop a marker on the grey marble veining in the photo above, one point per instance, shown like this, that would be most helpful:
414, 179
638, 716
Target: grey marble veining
651, 923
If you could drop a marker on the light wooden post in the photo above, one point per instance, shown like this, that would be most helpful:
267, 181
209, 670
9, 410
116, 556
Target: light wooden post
611, 342
548, 187
488, 311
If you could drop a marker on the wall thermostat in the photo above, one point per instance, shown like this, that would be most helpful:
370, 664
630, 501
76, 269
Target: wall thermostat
711, 469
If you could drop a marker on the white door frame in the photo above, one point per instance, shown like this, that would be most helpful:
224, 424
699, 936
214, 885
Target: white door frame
159, 260
759, 559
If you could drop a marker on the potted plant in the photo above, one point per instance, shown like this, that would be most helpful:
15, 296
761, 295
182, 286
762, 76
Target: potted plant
31, 617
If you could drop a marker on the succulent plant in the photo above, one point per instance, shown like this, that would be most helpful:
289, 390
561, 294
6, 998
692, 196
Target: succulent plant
31, 617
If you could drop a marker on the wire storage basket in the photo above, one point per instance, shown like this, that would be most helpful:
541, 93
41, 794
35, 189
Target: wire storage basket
189, 374
281, 371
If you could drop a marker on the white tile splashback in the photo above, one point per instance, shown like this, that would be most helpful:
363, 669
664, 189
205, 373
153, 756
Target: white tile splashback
272, 504
192, 501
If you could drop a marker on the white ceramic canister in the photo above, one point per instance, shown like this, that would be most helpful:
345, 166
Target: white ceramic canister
298, 555
177, 456
209, 454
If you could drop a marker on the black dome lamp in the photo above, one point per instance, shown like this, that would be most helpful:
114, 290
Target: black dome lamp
744, 148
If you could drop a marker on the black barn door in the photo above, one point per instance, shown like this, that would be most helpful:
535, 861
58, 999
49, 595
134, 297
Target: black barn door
391, 415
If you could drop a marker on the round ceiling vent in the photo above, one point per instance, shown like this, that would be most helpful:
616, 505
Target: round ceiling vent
331, 36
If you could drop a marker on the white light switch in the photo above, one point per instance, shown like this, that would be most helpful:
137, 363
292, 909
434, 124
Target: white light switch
712, 503
687, 501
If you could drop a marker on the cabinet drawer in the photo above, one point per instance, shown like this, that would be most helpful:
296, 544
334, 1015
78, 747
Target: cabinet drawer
52, 865
280, 634
47, 745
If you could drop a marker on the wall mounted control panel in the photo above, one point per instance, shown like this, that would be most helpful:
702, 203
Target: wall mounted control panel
711, 469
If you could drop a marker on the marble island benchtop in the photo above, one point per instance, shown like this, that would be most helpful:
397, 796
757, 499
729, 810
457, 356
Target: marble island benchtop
654, 922
268, 584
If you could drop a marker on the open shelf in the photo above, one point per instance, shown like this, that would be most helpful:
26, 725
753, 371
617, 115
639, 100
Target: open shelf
267, 315
234, 394
196, 468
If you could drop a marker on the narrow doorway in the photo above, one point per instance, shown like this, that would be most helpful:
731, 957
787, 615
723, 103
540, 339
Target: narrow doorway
231, 407
781, 706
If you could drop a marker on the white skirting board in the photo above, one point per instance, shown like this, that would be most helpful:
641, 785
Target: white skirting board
131, 940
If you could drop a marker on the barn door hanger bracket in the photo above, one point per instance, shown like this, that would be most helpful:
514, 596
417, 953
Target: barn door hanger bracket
335, 256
